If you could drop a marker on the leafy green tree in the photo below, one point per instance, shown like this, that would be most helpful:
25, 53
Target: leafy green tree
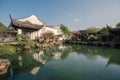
84, 36
118, 25
104, 29
1, 24
92, 30
24, 41
65, 30
2, 27
7, 49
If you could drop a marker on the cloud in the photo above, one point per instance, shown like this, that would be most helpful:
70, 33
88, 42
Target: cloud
77, 20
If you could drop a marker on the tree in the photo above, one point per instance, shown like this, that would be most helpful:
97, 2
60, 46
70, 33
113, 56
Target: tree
92, 30
2, 29
118, 25
2, 25
24, 41
104, 29
84, 36
65, 29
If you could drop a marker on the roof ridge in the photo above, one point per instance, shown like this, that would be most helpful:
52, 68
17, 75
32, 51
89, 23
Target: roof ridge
33, 19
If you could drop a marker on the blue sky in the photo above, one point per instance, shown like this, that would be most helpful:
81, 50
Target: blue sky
76, 14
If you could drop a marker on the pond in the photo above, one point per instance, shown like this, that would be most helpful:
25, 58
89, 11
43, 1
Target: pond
76, 62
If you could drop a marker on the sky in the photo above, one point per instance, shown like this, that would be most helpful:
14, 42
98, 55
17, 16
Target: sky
75, 14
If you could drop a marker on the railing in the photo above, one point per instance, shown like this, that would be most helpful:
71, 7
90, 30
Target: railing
2, 39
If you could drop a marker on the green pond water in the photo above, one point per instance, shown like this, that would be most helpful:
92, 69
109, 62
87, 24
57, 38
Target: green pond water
74, 62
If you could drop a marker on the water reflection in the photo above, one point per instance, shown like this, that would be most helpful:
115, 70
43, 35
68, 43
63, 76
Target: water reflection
91, 52
43, 57
114, 59
29, 63
51, 63
58, 53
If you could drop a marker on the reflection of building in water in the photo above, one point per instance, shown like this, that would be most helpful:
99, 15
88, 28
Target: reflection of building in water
34, 70
20, 59
43, 57
62, 47
39, 56
57, 56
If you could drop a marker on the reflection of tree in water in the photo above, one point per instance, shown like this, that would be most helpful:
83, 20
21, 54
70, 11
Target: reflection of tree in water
30, 63
92, 51
65, 52
114, 59
27, 62
24, 62
88, 51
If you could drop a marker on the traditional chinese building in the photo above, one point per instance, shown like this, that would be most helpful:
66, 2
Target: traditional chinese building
33, 27
114, 34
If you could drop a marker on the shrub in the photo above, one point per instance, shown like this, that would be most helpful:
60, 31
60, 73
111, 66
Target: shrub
25, 42
7, 49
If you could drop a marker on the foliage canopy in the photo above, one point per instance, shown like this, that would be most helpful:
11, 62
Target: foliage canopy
92, 30
118, 25
65, 29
